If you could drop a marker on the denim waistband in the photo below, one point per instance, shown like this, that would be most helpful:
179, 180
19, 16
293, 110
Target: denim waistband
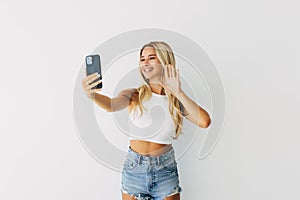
143, 158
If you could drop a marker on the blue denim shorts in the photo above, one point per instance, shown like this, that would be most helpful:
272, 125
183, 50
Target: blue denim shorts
150, 177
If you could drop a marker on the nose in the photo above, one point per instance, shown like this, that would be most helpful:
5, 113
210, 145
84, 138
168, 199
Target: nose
146, 62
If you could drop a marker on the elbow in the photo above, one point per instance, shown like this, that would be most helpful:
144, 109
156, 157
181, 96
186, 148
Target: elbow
204, 120
205, 123
208, 122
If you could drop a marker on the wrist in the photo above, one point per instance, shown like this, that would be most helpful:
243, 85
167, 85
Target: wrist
179, 93
93, 97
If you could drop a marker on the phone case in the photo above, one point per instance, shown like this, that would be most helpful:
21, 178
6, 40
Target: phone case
93, 64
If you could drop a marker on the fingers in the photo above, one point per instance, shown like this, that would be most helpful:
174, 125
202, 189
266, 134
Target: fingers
167, 72
170, 71
90, 78
87, 84
94, 84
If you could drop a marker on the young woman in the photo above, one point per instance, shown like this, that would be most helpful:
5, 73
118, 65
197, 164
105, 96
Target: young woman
150, 169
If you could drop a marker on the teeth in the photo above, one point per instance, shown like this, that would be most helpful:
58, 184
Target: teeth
148, 69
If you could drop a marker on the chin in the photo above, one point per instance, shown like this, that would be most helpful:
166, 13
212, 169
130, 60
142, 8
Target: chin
148, 76
152, 76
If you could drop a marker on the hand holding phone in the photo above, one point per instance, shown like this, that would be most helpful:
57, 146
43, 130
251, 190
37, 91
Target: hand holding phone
92, 83
93, 65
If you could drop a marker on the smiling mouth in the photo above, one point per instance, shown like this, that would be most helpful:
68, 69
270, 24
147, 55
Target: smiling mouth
148, 69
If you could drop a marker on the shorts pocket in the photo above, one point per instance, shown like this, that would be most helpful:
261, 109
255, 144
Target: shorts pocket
130, 164
170, 166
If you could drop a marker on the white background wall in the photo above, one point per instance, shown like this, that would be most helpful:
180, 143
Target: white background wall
254, 45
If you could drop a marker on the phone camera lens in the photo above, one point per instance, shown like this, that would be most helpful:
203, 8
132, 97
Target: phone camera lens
89, 60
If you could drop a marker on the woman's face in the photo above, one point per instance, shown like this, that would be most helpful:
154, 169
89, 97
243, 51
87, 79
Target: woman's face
150, 65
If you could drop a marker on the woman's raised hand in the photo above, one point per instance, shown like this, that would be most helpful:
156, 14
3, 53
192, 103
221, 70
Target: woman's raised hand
170, 80
87, 86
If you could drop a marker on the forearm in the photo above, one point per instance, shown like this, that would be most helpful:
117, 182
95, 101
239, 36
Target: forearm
195, 113
103, 101
117, 103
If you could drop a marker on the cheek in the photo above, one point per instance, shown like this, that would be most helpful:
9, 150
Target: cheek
158, 69
156, 61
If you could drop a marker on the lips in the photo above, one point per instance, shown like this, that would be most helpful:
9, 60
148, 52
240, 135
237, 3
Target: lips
148, 69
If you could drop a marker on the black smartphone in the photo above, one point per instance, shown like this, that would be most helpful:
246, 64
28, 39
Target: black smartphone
93, 65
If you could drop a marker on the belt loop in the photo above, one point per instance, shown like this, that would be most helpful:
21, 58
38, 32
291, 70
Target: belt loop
139, 161
158, 160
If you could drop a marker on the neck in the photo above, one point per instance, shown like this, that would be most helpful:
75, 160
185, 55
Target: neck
156, 88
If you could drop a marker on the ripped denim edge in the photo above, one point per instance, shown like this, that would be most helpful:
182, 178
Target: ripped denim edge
137, 196
176, 189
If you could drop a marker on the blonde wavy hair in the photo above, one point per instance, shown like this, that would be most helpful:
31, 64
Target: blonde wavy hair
143, 92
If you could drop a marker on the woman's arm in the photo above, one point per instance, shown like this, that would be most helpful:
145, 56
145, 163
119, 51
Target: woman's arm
121, 101
192, 111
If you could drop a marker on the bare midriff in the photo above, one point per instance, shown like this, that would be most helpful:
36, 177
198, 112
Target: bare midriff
149, 148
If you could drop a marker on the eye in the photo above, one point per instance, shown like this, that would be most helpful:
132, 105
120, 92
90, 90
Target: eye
152, 58
142, 59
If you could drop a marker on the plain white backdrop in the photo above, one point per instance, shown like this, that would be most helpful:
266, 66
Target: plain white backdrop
254, 45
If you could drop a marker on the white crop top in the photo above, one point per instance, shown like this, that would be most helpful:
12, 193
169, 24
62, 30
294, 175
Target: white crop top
156, 124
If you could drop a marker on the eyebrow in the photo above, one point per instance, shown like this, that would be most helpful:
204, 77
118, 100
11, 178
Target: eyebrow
149, 55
